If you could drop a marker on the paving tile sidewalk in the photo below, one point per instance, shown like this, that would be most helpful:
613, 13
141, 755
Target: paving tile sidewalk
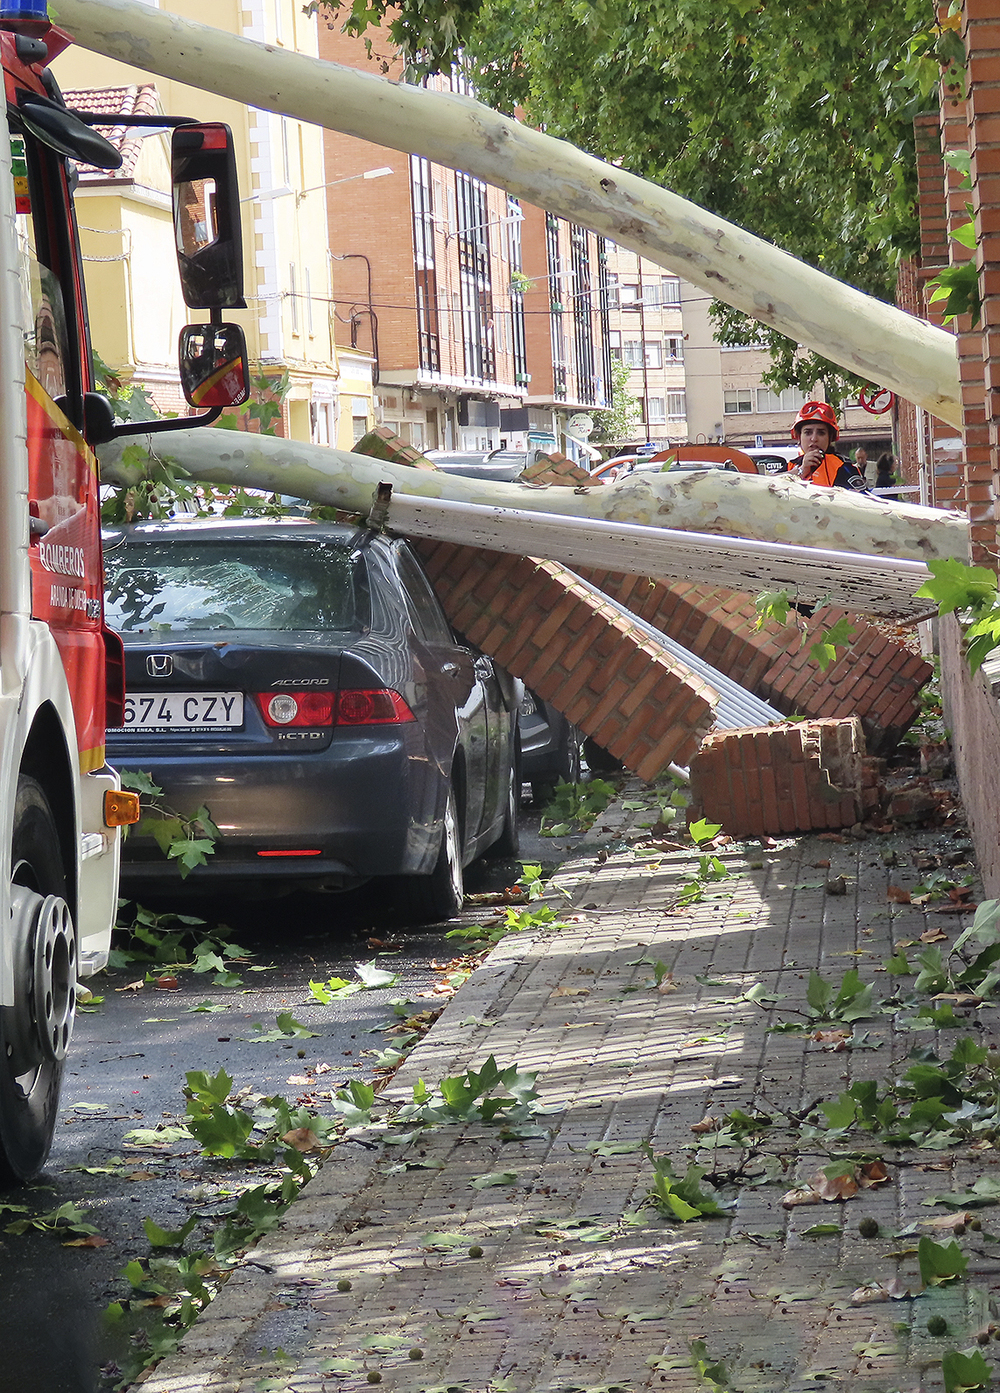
569, 1293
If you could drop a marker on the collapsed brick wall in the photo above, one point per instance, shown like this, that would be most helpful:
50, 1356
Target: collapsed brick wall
776, 780
877, 679
604, 675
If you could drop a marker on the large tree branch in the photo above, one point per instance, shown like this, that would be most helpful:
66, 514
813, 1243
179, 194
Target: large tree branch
619, 526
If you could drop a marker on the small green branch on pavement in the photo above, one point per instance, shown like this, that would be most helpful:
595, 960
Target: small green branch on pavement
370, 978
710, 868
681, 1197
174, 942
512, 921
579, 804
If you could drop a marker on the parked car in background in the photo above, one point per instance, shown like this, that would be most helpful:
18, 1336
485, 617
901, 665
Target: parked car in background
618, 467
551, 747
473, 464
301, 682
772, 459
502, 466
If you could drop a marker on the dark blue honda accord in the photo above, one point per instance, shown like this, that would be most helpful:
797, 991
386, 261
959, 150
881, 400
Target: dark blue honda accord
300, 680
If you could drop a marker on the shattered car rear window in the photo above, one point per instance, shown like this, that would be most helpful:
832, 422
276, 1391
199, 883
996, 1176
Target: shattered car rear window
181, 585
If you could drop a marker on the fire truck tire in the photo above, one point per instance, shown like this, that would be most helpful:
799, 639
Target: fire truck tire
36, 1027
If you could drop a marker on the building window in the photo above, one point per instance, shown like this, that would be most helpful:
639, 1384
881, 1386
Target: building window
787, 401
629, 297
612, 291
321, 418
359, 418
670, 290
293, 292
738, 401
654, 410
653, 353
424, 246
675, 349
676, 406
615, 344
632, 352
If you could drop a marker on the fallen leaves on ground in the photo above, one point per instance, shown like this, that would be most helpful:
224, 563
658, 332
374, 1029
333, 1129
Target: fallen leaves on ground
896, 1290
302, 1139
823, 1188
948, 1221
897, 895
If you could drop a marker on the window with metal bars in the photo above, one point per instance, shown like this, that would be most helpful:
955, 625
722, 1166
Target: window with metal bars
519, 350
554, 261
604, 300
474, 278
424, 269
583, 322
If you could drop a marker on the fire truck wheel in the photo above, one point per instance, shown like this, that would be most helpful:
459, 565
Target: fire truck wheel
35, 1029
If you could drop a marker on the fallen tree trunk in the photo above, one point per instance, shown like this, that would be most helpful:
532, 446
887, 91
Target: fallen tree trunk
862, 334
714, 501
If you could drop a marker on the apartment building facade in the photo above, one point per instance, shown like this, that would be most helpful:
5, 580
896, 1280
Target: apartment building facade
281, 168
485, 318
752, 411
647, 332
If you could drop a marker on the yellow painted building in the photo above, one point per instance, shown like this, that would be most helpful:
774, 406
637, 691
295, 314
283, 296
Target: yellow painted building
135, 303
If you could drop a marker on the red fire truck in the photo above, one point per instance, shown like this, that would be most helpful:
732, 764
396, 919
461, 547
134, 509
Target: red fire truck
61, 668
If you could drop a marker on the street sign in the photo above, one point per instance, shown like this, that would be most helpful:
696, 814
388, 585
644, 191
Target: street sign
876, 400
758, 442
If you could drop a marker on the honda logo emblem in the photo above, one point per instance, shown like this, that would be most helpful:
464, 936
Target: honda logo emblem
159, 665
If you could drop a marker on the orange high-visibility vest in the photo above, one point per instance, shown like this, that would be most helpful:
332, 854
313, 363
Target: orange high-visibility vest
826, 475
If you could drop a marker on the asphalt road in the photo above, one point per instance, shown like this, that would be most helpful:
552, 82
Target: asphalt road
126, 1071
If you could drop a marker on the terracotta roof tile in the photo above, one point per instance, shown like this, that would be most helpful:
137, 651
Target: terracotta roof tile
135, 100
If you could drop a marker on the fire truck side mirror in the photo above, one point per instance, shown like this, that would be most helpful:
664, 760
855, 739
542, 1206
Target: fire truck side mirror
214, 367
207, 216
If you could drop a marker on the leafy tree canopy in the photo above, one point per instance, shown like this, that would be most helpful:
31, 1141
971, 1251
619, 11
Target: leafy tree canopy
791, 118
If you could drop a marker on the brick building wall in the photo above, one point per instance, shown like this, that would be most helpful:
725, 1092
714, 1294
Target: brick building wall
372, 219
537, 302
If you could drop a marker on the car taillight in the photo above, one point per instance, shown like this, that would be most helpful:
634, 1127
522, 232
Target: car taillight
379, 706
355, 706
296, 708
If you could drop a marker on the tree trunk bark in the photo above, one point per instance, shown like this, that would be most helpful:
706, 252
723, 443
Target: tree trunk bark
727, 504
872, 339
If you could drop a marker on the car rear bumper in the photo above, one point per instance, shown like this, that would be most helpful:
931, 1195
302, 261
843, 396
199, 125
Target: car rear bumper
365, 806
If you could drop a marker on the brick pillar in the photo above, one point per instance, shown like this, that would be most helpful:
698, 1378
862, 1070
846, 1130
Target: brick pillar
933, 133
979, 348
605, 676
773, 780
877, 679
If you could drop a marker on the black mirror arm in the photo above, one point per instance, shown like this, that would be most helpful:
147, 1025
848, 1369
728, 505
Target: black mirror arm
177, 423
